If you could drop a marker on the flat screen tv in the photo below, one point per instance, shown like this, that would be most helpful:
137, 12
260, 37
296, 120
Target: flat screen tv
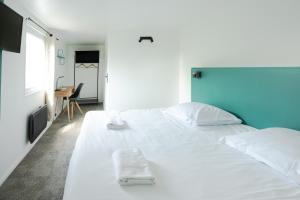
87, 56
11, 24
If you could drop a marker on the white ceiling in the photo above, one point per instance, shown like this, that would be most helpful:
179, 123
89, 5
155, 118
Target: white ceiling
89, 21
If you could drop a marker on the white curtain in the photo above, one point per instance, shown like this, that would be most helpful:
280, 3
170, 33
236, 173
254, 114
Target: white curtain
50, 99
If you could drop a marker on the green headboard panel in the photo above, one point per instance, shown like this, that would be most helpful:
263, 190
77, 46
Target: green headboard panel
261, 96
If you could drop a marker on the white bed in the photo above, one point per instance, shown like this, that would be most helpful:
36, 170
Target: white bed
188, 162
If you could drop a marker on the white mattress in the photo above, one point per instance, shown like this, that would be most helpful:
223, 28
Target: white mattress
188, 163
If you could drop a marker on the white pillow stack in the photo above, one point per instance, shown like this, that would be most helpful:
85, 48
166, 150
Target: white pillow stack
277, 147
202, 114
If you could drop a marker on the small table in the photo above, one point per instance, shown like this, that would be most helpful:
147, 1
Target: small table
66, 91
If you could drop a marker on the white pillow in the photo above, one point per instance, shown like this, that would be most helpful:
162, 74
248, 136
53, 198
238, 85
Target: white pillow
211, 115
277, 147
187, 112
202, 114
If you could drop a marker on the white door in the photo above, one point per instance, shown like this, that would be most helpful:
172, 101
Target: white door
141, 75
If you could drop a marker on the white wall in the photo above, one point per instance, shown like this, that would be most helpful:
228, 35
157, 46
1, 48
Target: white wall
60, 70
142, 75
237, 34
69, 79
15, 106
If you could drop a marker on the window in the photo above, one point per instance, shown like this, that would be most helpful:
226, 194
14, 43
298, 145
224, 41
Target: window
35, 62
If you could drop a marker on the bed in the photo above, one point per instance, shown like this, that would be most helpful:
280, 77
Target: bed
188, 162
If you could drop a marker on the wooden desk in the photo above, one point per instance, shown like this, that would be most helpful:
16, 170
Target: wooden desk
65, 91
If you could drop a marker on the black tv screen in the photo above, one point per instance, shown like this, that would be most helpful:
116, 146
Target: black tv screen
11, 24
87, 56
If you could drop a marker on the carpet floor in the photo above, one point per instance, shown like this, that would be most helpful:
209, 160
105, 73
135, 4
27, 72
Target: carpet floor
42, 173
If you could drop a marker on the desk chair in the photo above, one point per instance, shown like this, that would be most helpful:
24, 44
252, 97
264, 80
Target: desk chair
73, 99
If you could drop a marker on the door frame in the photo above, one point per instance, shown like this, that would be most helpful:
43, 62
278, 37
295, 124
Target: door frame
89, 99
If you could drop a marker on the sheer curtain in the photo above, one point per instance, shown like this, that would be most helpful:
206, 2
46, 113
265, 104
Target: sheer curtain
36, 61
50, 99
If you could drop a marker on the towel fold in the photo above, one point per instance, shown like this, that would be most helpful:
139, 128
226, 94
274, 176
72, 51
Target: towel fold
115, 121
131, 168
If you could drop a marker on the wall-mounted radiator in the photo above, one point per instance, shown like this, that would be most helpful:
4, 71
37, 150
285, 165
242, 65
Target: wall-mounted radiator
37, 123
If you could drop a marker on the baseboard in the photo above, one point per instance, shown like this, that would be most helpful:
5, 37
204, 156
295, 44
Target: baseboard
18, 161
56, 115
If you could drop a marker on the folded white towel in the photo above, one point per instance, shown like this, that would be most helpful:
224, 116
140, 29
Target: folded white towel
131, 168
115, 121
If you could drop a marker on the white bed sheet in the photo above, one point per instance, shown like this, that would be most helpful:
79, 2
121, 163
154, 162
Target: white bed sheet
188, 163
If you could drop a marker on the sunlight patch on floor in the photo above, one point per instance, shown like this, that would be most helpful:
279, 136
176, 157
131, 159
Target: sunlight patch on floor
68, 127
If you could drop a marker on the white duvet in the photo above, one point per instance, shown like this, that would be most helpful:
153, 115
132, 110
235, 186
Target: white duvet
188, 162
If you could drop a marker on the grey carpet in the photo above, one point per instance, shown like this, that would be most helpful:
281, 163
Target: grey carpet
42, 173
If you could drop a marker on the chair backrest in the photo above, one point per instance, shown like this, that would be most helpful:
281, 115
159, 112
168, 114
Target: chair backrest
77, 91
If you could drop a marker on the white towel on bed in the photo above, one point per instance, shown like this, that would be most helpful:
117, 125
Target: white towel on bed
131, 168
115, 122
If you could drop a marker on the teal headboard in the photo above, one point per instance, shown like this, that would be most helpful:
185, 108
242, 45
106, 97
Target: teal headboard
261, 96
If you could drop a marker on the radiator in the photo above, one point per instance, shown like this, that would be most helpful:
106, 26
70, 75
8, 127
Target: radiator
37, 123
